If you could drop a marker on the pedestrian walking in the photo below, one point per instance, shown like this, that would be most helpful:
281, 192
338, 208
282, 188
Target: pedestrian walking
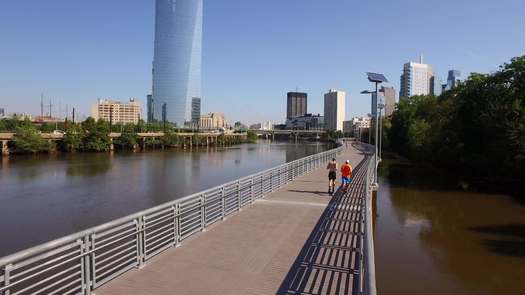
346, 175
332, 175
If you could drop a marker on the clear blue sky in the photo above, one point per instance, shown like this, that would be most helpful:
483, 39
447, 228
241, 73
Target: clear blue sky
254, 51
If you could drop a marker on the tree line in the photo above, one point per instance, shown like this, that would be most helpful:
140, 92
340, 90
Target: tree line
476, 130
93, 136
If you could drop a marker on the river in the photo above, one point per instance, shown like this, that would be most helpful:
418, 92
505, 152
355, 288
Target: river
48, 196
432, 238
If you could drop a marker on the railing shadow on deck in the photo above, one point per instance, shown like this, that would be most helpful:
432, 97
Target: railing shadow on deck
330, 260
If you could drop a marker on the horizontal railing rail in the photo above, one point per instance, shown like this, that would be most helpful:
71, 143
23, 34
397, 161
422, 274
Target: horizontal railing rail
81, 262
368, 274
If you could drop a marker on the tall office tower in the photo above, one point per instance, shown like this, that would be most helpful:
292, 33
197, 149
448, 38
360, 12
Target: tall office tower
177, 59
452, 79
435, 85
389, 94
334, 110
195, 110
151, 107
415, 79
296, 104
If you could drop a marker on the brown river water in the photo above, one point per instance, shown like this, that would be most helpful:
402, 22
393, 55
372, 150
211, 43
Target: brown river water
433, 238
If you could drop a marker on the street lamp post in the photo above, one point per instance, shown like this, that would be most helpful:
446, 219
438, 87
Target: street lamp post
376, 79
381, 106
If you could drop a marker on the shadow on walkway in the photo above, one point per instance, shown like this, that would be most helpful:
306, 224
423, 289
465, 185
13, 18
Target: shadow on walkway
330, 259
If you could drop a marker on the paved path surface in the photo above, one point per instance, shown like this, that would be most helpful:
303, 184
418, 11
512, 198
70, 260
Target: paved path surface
297, 240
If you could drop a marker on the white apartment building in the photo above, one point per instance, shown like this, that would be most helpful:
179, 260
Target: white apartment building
360, 123
416, 79
334, 110
116, 111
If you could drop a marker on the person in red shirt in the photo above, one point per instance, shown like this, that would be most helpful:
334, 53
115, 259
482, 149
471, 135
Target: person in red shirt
346, 174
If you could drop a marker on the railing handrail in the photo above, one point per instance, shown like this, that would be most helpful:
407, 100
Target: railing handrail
368, 274
91, 239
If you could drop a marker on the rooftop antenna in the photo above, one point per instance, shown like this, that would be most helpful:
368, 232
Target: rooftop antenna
41, 105
50, 109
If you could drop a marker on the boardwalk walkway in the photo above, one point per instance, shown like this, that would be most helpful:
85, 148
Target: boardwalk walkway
297, 240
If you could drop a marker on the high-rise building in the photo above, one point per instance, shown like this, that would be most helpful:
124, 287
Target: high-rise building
453, 79
389, 94
435, 85
195, 110
334, 110
151, 107
177, 58
116, 112
296, 104
415, 79
2, 112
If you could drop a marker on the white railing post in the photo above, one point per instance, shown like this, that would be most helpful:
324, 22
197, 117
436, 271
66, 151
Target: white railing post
85, 265
223, 204
239, 195
7, 278
141, 239
203, 212
252, 197
178, 231
175, 225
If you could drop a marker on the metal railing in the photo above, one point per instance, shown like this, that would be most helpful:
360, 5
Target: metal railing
368, 273
81, 262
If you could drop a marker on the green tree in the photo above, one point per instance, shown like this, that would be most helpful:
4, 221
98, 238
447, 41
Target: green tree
29, 140
251, 137
128, 138
73, 139
96, 137
476, 129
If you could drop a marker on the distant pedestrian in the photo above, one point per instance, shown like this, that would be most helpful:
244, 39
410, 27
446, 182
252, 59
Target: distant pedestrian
346, 143
332, 175
346, 175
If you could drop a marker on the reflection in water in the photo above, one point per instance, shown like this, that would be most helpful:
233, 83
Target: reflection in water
48, 196
434, 239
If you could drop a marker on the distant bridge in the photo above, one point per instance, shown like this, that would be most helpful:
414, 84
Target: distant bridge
292, 133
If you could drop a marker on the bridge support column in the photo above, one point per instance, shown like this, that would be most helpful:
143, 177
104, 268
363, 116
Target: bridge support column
143, 143
52, 145
5, 148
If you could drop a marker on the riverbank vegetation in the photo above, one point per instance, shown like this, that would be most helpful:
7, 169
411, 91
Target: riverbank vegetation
476, 130
94, 136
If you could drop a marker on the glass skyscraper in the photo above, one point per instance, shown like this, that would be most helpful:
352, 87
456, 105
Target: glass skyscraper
177, 59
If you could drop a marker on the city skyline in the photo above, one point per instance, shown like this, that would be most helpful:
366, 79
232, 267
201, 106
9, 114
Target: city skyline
64, 59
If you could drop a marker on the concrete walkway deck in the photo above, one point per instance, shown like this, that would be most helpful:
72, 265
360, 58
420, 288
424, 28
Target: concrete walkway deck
297, 240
